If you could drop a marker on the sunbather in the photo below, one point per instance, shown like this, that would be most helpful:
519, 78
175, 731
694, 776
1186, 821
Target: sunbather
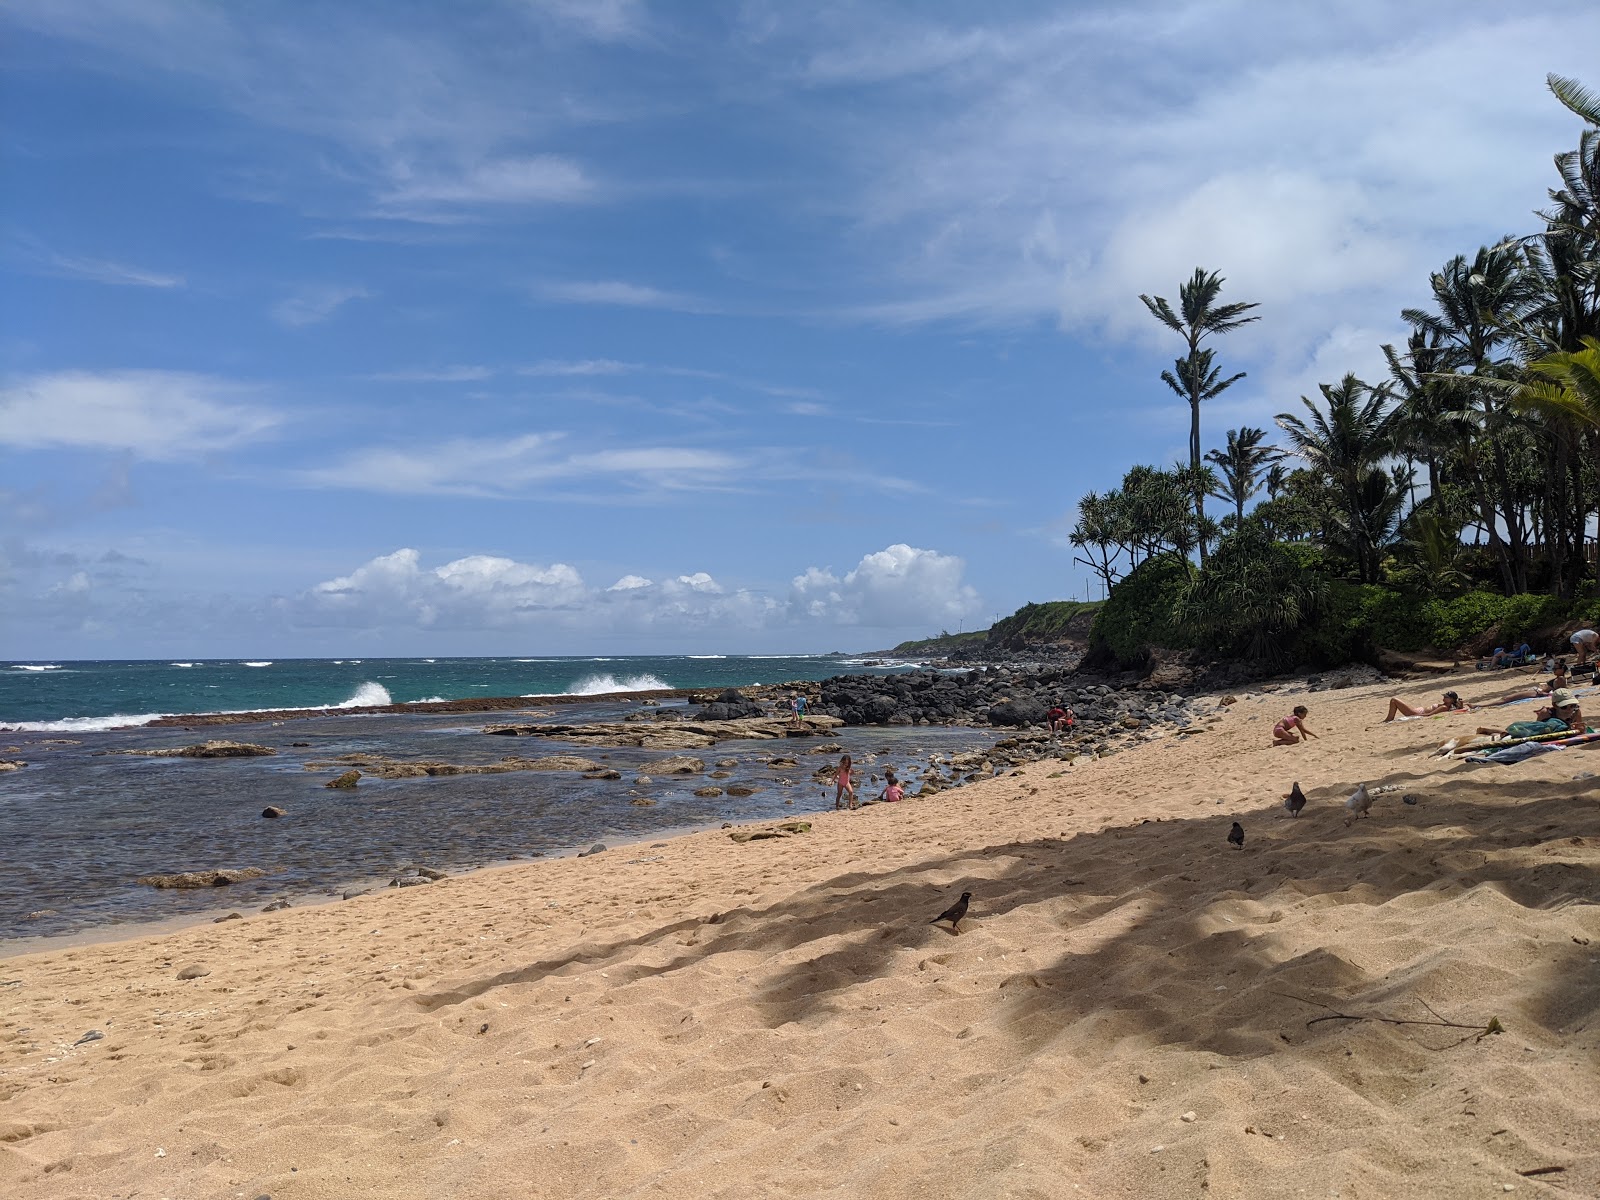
1450, 703
1561, 716
1535, 691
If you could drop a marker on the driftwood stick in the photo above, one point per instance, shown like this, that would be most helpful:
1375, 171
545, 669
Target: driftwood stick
1479, 1030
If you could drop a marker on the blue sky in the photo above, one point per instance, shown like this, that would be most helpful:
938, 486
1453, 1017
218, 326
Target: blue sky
563, 327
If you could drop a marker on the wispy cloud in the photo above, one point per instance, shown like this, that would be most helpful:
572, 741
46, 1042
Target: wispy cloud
521, 465
160, 415
542, 179
315, 304
588, 366
457, 374
622, 294
103, 270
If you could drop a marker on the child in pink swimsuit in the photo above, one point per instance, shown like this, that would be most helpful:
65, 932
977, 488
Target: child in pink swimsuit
1283, 733
843, 785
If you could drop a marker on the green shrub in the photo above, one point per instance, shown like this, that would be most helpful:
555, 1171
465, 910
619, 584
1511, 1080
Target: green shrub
1047, 622
1139, 612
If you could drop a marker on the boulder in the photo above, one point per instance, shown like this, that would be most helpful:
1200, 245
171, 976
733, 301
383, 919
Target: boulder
272, 811
348, 780
212, 749
202, 879
731, 705
678, 764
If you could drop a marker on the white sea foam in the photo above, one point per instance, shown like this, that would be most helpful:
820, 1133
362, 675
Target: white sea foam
429, 700
33, 667
602, 685
81, 724
366, 695
255, 664
430, 660
705, 656
180, 664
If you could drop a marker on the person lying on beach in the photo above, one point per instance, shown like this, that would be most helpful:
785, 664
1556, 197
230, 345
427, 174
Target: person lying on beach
843, 785
1561, 716
1450, 703
1283, 733
1537, 691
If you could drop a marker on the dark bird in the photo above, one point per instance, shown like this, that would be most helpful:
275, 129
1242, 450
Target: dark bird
954, 913
1236, 835
1295, 800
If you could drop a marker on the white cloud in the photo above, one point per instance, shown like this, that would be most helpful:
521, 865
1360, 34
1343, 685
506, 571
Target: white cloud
588, 366
161, 415
459, 374
517, 465
101, 270
314, 304
895, 587
620, 294
898, 587
604, 20
542, 179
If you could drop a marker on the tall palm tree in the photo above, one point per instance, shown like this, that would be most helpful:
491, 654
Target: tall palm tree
1241, 466
1194, 377
1575, 96
1347, 445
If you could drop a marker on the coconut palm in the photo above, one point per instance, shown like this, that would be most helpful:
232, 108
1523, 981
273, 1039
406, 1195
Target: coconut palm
1195, 377
1241, 466
1567, 384
1346, 445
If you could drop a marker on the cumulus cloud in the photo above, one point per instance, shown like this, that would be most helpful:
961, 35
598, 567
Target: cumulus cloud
160, 415
899, 587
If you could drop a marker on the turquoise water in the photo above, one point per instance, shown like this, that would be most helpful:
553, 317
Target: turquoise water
65, 696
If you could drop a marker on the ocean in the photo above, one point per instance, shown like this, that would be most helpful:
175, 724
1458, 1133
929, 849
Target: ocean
81, 822
67, 697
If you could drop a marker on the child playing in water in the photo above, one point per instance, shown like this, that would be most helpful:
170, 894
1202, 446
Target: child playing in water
892, 790
1283, 733
843, 785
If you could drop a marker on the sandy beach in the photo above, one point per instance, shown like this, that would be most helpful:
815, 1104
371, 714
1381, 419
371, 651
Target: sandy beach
1132, 1008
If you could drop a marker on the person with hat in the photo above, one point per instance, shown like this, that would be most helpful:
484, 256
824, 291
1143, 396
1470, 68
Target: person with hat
1562, 716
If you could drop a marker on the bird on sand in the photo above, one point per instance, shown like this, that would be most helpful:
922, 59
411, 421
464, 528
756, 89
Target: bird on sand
954, 913
1236, 835
1295, 800
1359, 804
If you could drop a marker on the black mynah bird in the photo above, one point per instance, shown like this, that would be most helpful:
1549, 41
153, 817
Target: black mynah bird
954, 913
1236, 835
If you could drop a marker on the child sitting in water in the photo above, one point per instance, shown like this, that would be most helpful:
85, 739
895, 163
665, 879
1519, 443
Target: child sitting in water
1450, 703
1283, 733
892, 790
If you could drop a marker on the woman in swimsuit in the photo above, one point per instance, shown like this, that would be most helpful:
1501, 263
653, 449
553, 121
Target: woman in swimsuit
1399, 708
1283, 733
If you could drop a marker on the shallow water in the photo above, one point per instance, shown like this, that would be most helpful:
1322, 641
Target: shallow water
78, 825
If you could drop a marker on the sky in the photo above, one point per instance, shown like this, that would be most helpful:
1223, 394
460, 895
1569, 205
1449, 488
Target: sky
618, 326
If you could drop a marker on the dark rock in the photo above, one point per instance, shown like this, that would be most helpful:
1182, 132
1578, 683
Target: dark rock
233, 916
603, 773
273, 811
708, 792
597, 848
431, 873
348, 780
277, 906
642, 802
200, 879
212, 749
94, 1035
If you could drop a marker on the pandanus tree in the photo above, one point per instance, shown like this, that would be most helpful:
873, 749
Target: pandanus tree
1241, 466
1195, 377
1346, 442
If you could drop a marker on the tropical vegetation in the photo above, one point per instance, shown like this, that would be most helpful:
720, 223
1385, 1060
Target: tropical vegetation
1455, 495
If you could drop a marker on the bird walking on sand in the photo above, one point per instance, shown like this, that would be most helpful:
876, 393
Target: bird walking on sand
1359, 804
1236, 835
954, 913
1295, 800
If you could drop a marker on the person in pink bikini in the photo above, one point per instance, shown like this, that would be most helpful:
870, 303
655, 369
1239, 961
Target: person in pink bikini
843, 784
1283, 733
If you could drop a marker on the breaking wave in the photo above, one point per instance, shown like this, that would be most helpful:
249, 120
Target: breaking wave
367, 695
81, 724
32, 667
255, 664
602, 685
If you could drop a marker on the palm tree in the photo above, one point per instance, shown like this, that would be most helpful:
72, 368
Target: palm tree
1241, 464
1194, 377
1568, 385
1575, 96
1347, 445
